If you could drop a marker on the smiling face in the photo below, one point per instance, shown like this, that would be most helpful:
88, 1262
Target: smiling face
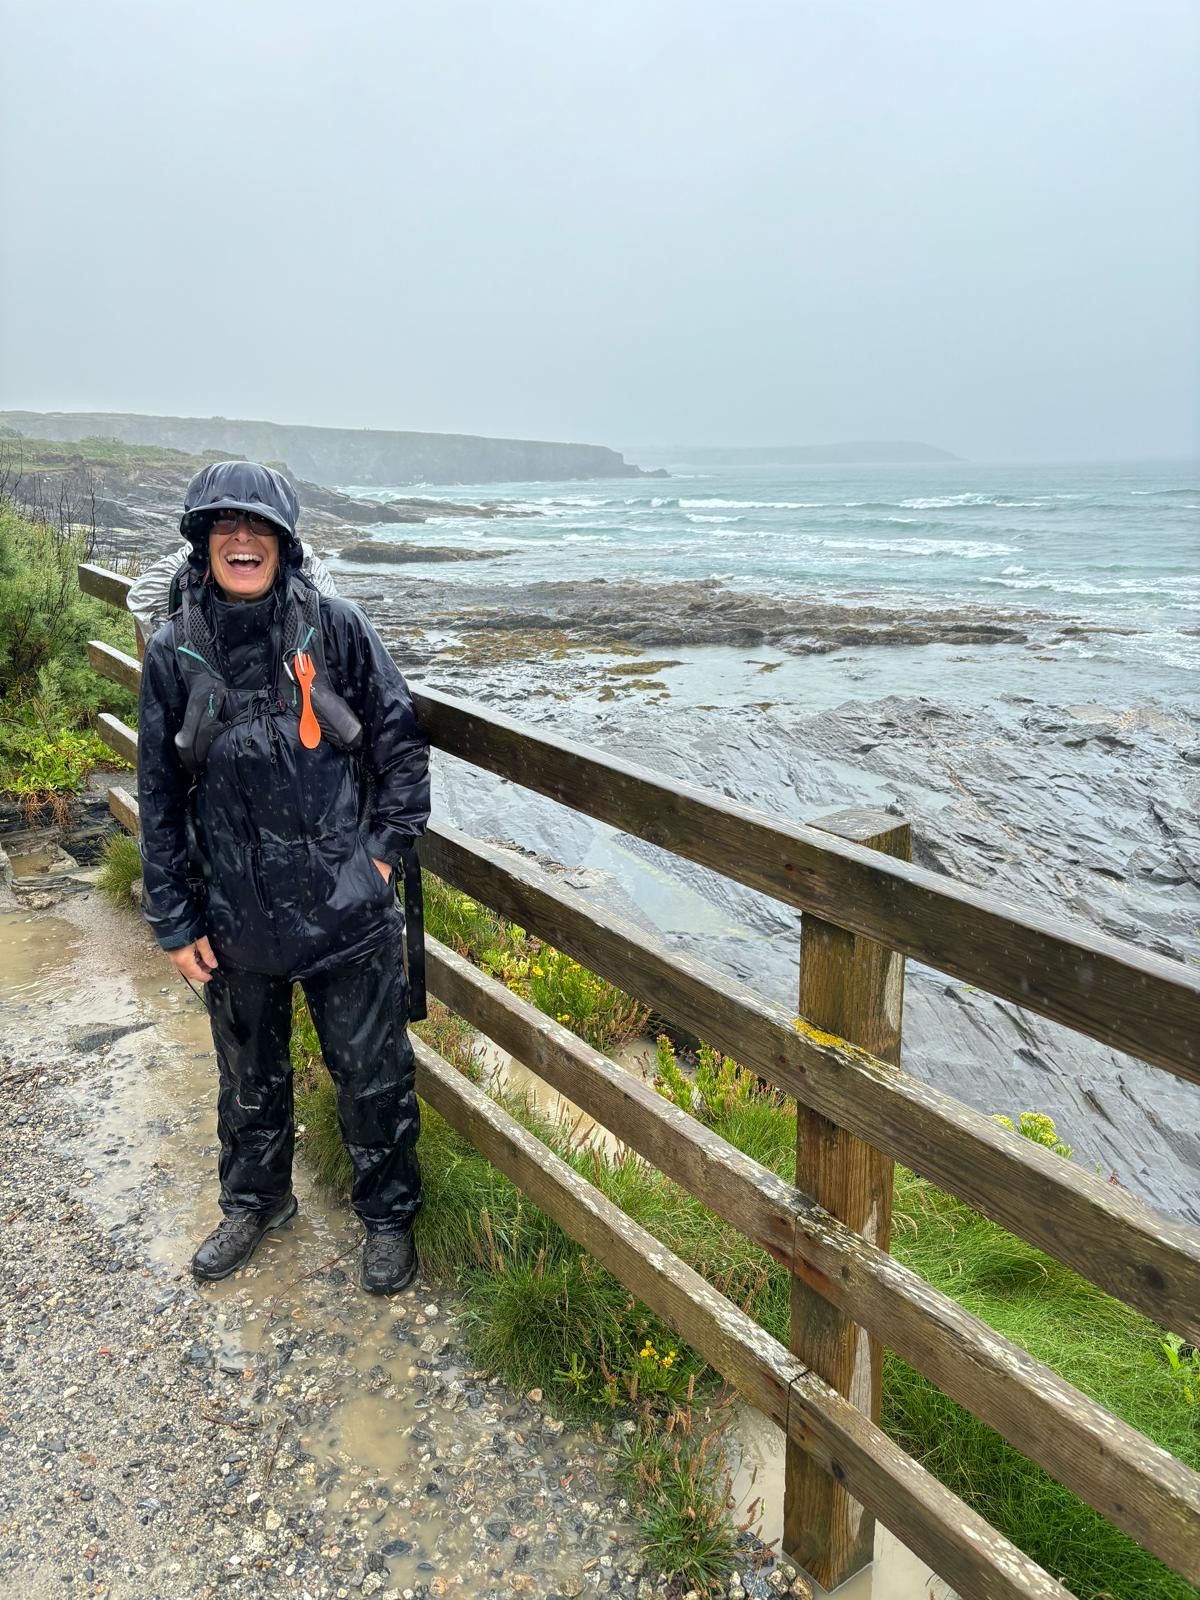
243, 554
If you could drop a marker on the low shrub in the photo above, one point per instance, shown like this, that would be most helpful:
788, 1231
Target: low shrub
679, 1485
49, 691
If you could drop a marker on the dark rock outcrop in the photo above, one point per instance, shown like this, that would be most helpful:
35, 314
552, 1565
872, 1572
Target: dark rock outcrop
401, 554
134, 506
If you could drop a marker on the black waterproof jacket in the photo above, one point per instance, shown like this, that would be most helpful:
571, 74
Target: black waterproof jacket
284, 835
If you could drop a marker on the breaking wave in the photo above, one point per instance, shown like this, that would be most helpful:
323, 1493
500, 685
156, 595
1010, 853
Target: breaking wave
962, 549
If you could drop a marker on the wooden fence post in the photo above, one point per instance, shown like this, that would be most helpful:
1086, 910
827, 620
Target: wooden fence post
853, 987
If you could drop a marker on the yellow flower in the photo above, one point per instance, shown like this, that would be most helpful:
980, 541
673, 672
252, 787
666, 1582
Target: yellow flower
564, 1016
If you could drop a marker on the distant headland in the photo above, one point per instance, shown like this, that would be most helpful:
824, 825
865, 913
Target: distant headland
853, 452
331, 456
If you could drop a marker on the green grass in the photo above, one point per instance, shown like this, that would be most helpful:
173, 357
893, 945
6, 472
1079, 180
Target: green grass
121, 868
49, 692
1107, 1350
679, 1485
36, 455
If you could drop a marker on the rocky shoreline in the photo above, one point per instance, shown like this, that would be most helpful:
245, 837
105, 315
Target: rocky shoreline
701, 612
134, 511
342, 455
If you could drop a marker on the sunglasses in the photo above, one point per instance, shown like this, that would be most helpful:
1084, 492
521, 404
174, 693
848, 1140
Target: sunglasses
230, 521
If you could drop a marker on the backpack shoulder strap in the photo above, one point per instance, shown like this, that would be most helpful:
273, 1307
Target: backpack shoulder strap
302, 622
195, 642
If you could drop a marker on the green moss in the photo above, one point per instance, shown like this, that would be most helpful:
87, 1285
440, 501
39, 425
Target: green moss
484, 647
634, 669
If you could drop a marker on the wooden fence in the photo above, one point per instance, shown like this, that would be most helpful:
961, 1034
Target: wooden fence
866, 908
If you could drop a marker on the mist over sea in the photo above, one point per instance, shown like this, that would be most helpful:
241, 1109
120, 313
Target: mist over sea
1115, 546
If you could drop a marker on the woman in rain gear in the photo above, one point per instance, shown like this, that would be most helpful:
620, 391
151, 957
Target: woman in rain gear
282, 781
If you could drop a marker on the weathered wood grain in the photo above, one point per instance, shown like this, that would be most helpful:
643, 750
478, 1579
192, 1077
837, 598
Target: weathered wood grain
1114, 992
966, 1551
956, 1542
1138, 1486
853, 987
1096, 1228
115, 665
118, 736
125, 808
105, 585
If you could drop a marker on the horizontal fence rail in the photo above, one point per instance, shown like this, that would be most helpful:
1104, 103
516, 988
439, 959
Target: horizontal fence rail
1140, 1488
1114, 992
930, 1520
1093, 1227
1050, 966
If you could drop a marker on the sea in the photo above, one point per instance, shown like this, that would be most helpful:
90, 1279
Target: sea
1115, 546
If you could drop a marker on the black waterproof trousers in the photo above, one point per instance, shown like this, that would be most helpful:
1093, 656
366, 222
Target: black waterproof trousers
360, 1013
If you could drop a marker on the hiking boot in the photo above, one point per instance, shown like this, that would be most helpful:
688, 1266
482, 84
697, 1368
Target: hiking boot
233, 1241
389, 1262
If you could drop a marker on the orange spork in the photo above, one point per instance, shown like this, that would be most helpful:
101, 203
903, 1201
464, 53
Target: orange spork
310, 728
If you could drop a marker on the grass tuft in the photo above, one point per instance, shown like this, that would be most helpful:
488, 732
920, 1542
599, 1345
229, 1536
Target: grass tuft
680, 1487
121, 868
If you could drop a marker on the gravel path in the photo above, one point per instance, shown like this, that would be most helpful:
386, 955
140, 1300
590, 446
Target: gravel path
278, 1434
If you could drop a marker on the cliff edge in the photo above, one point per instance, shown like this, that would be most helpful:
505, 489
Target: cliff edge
331, 456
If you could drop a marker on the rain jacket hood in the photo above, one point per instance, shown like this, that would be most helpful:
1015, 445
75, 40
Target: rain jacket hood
240, 486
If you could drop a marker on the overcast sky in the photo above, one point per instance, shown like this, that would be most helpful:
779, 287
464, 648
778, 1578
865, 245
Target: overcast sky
626, 221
